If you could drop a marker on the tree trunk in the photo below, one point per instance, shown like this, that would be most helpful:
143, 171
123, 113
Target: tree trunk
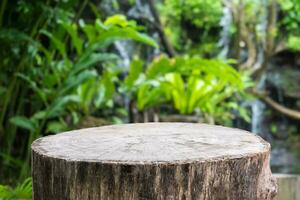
289, 112
152, 161
164, 39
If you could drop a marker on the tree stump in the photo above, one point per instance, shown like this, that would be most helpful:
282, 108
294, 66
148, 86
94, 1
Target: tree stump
152, 161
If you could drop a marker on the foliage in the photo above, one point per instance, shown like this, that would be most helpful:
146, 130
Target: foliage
54, 89
293, 43
191, 84
291, 17
290, 22
201, 13
59, 66
64, 86
201, 16
22, 191
20, 23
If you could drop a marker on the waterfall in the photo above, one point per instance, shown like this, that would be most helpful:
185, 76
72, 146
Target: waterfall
258, 109
225, 23
257, 116
261, 28
126, 49
140, 10
123, 48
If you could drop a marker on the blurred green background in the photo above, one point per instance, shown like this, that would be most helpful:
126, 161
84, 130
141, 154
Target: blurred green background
69, 64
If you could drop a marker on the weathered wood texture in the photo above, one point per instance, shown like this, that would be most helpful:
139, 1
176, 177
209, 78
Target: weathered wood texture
288, 187
152, 161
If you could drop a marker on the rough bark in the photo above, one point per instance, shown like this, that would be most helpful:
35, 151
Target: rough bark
166, 43
292, 113
152, 161
248, 35
269, 40
238, 17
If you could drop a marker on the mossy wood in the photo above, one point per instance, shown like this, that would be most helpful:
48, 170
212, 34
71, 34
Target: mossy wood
152, 161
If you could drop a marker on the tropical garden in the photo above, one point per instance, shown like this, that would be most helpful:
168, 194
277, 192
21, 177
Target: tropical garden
69, 64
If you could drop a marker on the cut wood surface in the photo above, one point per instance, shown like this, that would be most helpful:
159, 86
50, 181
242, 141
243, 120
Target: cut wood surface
152, 161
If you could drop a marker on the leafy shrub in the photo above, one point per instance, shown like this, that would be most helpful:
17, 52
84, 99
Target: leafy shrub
62, 81
291, 18
193, 25
22, 191
191, 84
70, 74
290, 22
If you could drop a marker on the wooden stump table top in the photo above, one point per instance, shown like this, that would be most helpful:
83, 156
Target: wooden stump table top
151, 143
152, 161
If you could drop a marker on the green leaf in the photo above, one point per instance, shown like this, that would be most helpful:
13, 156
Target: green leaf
106, 90
59, 105
150, 94
160, 66
34, 86
59, 45
23, 122
89, 31
114, 33
14, 35
73, 32
94, 47
117, 20
39, 115
22, 191
5, 192
56, 127
178, 91
92, 59
244, 114
2, 90
73, 81
117, 120
87, 92
136, 69
11, 160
